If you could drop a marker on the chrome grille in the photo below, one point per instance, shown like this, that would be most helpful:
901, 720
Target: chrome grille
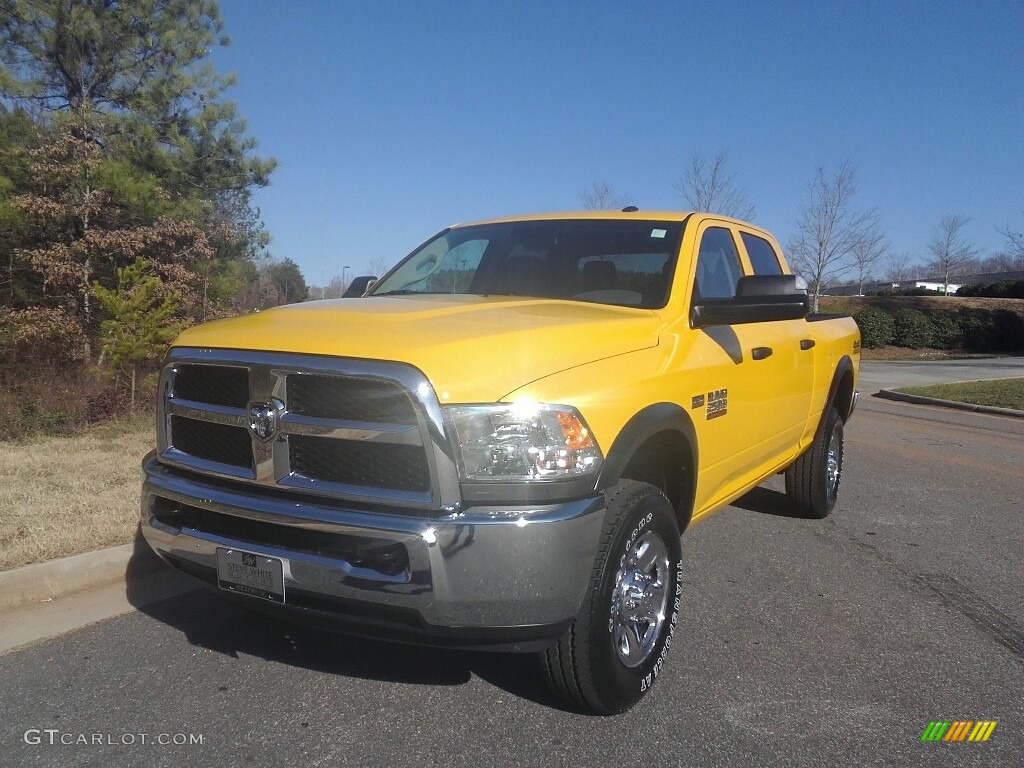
349, 428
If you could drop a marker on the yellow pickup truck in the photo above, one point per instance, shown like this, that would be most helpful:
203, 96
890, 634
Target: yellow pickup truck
500, 444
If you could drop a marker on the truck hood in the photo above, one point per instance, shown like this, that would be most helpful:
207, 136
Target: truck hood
472, 348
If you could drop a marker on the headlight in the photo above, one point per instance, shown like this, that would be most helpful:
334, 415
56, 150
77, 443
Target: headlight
523, 442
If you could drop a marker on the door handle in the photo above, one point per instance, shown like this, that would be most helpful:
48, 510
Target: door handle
806, 343
760, 353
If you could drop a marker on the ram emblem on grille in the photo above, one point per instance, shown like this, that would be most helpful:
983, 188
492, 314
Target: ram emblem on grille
263, 421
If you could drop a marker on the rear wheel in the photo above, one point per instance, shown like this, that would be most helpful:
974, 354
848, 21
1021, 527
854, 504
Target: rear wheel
812, 481
617, 645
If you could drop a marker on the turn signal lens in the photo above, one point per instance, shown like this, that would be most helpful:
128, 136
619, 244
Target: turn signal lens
577, 436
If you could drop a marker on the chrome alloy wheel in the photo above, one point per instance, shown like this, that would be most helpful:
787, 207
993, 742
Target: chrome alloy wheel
832, 460
640, 599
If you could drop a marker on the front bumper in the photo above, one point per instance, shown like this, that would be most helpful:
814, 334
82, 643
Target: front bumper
496, 577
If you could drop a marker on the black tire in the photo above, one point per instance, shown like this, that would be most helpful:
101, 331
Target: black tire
586, 667
810, 484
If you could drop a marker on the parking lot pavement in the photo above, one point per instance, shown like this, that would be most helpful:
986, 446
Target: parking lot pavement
803, 643
877, 374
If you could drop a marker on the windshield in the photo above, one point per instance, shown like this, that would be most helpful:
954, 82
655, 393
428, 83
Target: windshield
627, 263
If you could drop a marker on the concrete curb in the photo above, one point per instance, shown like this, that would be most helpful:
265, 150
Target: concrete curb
889, 394
54, 578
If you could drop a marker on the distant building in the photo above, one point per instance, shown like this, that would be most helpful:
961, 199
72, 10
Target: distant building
928, 283
887, 286
932, 285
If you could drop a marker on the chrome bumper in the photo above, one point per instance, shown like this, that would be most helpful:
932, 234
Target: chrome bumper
484, 575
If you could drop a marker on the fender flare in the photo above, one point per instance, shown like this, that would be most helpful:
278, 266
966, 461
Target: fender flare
651, 420
843, 367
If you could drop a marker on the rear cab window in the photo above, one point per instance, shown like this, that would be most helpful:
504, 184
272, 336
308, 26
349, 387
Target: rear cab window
763, 259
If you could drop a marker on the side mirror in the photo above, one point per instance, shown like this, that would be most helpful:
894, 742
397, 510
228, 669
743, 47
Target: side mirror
359, 286
759, 299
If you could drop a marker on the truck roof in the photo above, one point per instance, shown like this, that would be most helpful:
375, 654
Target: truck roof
613, 215
641, 215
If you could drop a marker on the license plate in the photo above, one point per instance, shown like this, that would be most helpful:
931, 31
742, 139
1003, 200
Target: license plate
250, 574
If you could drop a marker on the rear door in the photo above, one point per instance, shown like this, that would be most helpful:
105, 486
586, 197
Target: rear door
782, 357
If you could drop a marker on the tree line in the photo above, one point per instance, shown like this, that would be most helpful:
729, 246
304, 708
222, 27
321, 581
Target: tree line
126, 190
834, 237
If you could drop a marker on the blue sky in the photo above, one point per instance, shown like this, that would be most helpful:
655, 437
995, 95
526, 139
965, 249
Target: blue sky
391, 120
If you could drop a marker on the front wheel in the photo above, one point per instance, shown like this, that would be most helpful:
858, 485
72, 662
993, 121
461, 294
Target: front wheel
812, 481
616, 647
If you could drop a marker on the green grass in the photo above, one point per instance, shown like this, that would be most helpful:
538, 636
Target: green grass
1002, 393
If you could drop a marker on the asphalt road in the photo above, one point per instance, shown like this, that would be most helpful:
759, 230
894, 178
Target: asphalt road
886, 375
810, 643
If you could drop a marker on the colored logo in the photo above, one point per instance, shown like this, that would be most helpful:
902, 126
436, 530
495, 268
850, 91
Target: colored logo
959, 730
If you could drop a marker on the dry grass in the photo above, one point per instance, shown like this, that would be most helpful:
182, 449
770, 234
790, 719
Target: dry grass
903, 353
65, 495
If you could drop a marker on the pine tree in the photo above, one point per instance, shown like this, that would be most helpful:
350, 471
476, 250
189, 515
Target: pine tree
140, 320
134, 80
86, 216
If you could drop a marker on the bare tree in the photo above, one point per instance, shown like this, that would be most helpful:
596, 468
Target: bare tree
377, 266
1014, 247
828, 229
994, 262
899, 266
601, 197
866, 252
1004, 261
950, 248
332, 290
708, 186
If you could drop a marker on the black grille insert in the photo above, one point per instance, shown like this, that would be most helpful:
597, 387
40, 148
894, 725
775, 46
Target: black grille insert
214, 384
382, 555
351, 462
347, 398
213, 442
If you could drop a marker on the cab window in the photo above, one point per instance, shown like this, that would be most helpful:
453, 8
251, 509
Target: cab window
718, 265
762, 255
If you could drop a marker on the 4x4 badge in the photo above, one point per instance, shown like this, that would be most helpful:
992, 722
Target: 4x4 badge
263, 421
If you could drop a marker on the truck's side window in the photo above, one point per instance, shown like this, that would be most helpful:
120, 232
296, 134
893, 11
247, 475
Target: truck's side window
762, 256
718, 265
